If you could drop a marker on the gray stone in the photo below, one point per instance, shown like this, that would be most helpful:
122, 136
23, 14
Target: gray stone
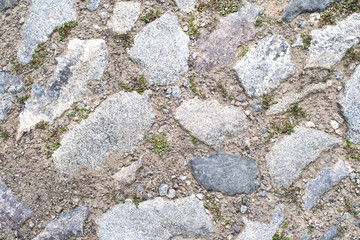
127, 175
93, 5
124, 17
294, 152
243, 209
350, 105
330, 234
163, 189
358, 223
329, 44
230, 174
296, 7
45, 16
263, 231
12, 213
118, 125
9, 86
327, 179
186, 5
266, 66
299, 41
65, 226
156, 219
162, 51
5, 4
176, 92
219, 47
84, 61
171, 194
289, 99
209, 121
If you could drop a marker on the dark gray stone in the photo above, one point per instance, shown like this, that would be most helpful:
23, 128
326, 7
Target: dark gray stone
12, 213
5, 4
230, 174
330, 234
66, 226
93, 5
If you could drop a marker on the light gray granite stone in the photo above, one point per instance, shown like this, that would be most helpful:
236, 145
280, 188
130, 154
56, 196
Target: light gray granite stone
124, 17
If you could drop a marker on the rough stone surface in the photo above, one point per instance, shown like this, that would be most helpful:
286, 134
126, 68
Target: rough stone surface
220, 46
93, 5
330, 234
297, 7
5, 4
350, 105
329, 44
294, 152
124, 17
12, 213
289, 99
117, 125
230, 174
263, 231
127, 175
162, 50
266, 66
45, 16
209, 121
163, 189
327, 179
84, 61
186, 5
66, 226
9, 86
156, 219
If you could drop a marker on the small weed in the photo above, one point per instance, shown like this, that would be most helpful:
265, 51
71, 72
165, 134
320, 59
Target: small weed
318, 207
194, 139
281, 235
291, 195
244, 50
42, 125
339, 9
23, 98
65, 29
342, 229
159, 143
150, 16
224, 7
136, 200
352, 151
350, 207
137, 84
268, 100
265, 23
214, 207
315, 78
5, 135
164, 106
78, 114
29, 82
126, 39
222, 89
351, 55
115, 195
306, 40
194, 28
53, 140
193, 87
311, 228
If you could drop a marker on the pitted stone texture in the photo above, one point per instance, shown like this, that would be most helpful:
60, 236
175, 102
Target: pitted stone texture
45, 16
263, 231
209, 121
327, 179
289, 99
156, 219
117, 125
12, 213
186, 5
5, 4
162, 51
9, 86
350, 105
66, 226
93, 5
294, 152
266, 66
124, 17
230, 174
218, 48
84, 61
330, 234
329, 44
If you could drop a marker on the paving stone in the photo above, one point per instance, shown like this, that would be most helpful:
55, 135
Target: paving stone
350, 105
44, 17
227, 173
127, 175
162, 51
84, 62
118, 125
9, 87
263, 231
156, 219
265, 66
294, 152
289, 99
219, 47
327, 179
209, 121
93, 5
329, 44
66, 226
186, 5
5, 4
12, 213
124, 17
330, 234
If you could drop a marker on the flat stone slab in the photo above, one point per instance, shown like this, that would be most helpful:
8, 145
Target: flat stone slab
44, 17
9, 87
65, 226
350, 105
156, 219
124, 17
329, 44
265, 66
161, 49
5, 4
294, 152
118, 125
263, 231
210, 121
331, 234
84, 61
12, 213
219, 47
327, 179
186, 5
227, 173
